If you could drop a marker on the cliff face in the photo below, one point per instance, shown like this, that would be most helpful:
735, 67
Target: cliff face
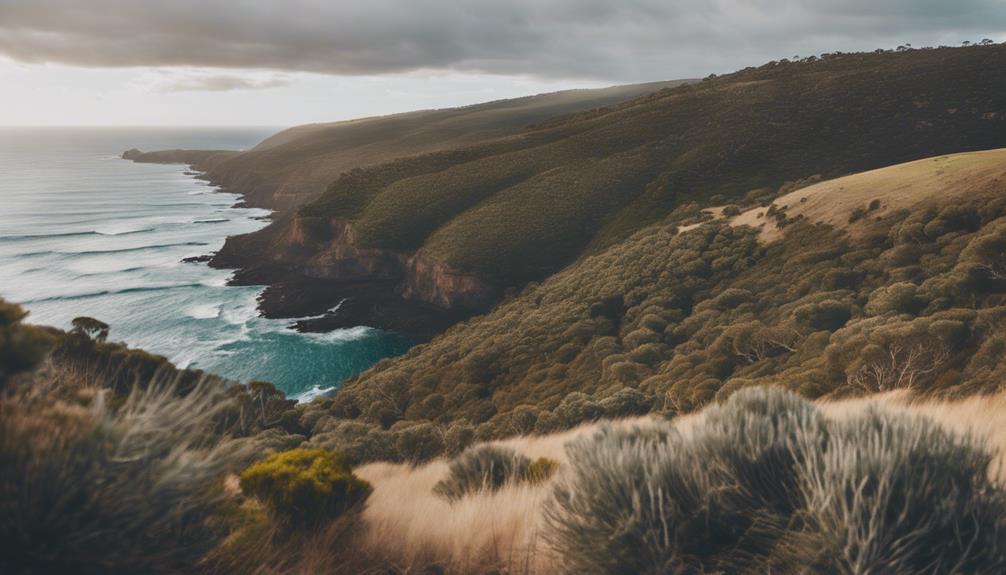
315, 265
335, 255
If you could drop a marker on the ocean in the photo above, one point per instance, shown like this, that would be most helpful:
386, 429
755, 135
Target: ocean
83, 232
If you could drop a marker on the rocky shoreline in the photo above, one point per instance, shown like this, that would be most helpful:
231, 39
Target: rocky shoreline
314, 273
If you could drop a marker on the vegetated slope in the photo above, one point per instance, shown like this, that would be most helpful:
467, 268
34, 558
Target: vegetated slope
520, 208
96, 478
844, 201
297, 164
898, 298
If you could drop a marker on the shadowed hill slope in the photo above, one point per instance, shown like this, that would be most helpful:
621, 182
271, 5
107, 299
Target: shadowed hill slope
899, 298
453, 229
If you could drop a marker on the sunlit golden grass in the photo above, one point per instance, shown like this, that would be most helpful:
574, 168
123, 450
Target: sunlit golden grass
941, 178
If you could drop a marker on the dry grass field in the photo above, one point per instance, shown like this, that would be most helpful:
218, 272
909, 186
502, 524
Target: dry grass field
502, 530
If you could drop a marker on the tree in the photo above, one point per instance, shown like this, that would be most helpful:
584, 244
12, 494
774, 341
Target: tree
898, 365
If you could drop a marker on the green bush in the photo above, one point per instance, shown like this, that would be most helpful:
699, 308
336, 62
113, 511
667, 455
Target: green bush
305, 487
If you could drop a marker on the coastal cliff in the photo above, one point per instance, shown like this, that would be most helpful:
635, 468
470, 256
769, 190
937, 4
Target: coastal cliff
311, 265
316, 272
438, 227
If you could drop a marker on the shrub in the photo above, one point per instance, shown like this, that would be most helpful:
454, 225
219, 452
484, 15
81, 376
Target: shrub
88, 489
626, 402
419, 443
901, 297
90, 327
458, 437
765, 483
576, 408
828, 314
651, 501
541, 470
897, 494
487, 468
21, 347
602, 517
305, 487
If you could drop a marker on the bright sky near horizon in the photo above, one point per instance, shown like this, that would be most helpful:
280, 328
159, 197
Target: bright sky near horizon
276, 63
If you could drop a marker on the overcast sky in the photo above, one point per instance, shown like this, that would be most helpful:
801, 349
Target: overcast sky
284, 62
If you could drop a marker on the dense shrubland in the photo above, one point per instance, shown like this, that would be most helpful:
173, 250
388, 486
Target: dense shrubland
667, 322
156, 482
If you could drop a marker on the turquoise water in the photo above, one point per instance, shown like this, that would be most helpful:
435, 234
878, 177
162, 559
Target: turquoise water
83, 232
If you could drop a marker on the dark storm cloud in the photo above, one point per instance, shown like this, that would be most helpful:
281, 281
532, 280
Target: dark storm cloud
616, 39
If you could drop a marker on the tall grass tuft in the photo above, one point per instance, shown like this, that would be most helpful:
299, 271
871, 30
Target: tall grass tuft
88, 488
897, 494
490, 468
765, 483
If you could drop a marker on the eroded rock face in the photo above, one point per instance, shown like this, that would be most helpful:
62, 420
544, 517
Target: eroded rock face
429, 280
314, 265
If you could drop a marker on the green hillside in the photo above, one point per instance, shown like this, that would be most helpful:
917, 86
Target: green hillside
297, 164
521, 207
894, 298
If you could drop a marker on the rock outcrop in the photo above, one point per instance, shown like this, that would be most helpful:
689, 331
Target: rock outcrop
316, 270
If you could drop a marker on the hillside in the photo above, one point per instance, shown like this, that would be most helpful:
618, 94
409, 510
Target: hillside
908, 294
169, 477
882, 294
458, 228
295, 165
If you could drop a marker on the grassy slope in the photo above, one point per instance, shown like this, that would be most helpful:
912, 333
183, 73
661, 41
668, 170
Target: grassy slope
668, 322
521, 207
294, 165
504, 528
955, 177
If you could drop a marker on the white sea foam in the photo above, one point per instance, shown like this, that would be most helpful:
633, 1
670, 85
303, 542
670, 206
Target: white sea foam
204, 311
215, 282
311, 394
342, 335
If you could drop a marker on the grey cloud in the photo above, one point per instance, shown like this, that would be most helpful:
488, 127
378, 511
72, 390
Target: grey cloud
616, 39
221, 83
